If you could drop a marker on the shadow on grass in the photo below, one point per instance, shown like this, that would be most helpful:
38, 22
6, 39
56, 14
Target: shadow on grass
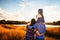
7, 27
54, 35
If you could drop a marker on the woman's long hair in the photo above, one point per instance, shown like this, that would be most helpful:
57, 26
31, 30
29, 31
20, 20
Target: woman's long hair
33, 21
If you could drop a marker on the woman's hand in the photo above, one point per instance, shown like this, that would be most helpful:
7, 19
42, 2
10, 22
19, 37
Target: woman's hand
38, 33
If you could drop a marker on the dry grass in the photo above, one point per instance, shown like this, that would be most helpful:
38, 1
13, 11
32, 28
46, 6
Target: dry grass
53, 29
12, 32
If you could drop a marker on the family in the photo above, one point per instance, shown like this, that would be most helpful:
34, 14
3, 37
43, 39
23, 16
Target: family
36, 29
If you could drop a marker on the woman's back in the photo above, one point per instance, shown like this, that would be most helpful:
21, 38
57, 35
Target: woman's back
29, 33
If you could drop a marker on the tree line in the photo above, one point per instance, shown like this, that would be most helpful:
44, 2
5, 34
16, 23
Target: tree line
12, 22
54, 23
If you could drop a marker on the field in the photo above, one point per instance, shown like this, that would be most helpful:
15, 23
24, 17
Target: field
52, 33
14, 32
11, 32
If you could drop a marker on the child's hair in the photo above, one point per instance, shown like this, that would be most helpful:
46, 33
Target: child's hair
40, 11
33, 21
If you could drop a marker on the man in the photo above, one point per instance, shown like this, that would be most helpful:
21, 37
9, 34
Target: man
40, 26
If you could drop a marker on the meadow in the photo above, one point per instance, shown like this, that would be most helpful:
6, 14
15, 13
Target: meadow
14, 32
11, 32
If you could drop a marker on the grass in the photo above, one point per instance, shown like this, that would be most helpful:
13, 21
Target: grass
53, 32
13, 32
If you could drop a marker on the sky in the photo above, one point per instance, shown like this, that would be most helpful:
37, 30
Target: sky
25, 10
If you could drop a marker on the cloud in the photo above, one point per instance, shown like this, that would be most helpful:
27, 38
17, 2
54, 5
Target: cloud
51, 13
25, 3
0, 8
22, 5
2, 12
50, 8
6, 15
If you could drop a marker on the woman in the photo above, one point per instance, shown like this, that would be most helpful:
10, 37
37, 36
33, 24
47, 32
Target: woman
40, 26
30, 30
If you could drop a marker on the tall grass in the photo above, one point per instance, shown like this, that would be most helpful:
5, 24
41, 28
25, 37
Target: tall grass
16, 33
13, 32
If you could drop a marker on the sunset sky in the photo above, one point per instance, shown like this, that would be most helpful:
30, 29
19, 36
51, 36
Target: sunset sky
25, 10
